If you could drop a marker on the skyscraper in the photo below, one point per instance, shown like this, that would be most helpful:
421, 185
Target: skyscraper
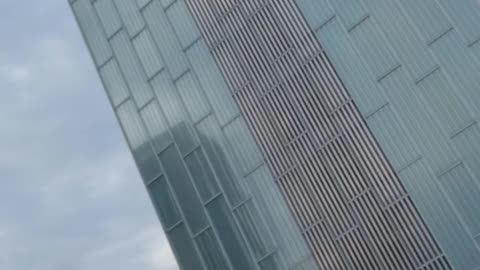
308, 134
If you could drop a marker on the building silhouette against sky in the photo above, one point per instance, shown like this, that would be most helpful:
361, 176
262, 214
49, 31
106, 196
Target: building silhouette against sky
307, 134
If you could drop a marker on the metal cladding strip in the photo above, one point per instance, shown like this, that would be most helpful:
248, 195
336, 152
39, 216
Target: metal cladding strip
351, 206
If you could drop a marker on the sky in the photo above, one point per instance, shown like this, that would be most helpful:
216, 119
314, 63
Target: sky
70, 194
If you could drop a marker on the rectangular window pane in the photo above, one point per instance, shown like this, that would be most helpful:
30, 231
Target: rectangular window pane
108, 15
148, 52
164, 202
175, 112
166, 39
213, 142
138, 140
130, 13
184, 249
202, 174
228, 233
183, 23
132, 68
182, 185
157, 126
210, 250
114, 82
93, 31
193, 96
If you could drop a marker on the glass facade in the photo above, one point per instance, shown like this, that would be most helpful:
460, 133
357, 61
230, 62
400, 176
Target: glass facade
207, 179
300, 134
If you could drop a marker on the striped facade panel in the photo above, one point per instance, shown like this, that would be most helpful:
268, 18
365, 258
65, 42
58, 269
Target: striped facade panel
206, 177
412, 69
345, 191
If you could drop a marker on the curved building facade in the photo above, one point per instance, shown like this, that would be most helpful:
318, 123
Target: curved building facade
307, 134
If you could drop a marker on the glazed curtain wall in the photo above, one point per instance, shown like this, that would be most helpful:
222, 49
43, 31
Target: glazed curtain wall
207, 179
352, 207
412, 67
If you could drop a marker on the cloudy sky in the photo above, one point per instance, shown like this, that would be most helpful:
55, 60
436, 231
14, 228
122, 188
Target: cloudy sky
70, 195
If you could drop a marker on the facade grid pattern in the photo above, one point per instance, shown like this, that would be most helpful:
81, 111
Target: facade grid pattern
214, 195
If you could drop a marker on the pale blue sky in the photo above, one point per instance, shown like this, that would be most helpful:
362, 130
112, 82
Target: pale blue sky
70, 195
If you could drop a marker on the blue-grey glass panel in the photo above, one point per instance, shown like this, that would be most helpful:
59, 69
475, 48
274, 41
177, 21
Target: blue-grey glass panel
229, 234
93, 32
408, 45
108, 16
254, 229
202, 174
157, 126
243, 144
372, 45
316, 12
114, 82
395, 143
212, 82
166, 39
349, 65
211, 252
166, 3
213, 142
184, 248
461, 66
275, 211
182, 185
193, 96
465, 195
175, 112
148, 52
131, 16
418, 123
468, 146
439, 215
428, 17
445, 103
138, 140
464, 15
132, 68
350, 12
183, 23
164, 202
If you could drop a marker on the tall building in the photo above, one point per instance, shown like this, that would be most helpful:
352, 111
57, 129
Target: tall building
307, 134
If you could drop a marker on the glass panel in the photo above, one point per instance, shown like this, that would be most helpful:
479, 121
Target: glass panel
108, 16
182, 185
214, 146
229, 235
254, 230
164, 202
465, 195
114, 82
132, 68
138, 140
202, 174
464, 14
148, 53
272, 262
183, 23
439, 215
166, 39
175, 112
210, 250
316, 12
467, 144
142, 3
184, 249
156, 126
212, 82
193, 96
243, 145
93, 32
131, 16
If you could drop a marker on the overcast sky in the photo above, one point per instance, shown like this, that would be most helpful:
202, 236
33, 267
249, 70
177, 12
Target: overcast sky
70, 195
